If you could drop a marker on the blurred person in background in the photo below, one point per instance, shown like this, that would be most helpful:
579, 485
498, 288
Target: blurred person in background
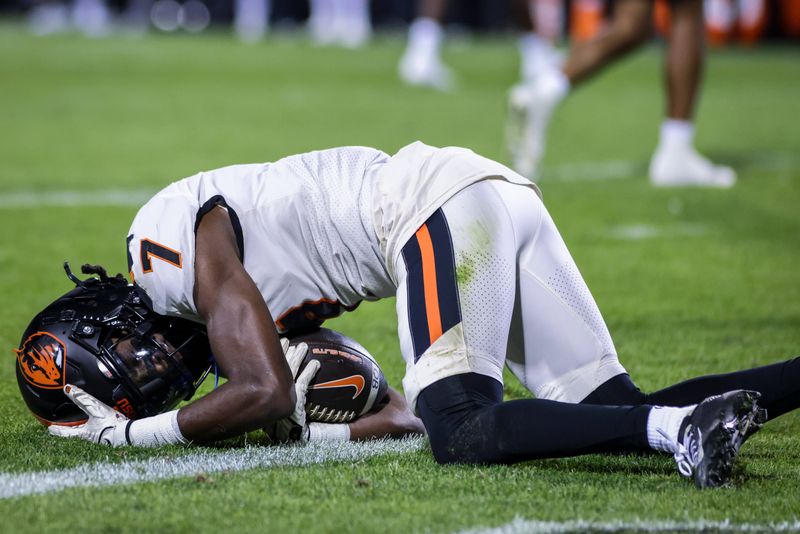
340, 22
331, 22
675, 161
422, 65
90, 17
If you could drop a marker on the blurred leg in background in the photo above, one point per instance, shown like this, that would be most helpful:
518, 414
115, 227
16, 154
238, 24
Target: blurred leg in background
90, 17
675, 161
539, 25
422, 64
251, 19
340, 22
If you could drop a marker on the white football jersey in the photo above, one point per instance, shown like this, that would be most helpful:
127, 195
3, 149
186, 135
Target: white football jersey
318, 232
417, 181
304, 228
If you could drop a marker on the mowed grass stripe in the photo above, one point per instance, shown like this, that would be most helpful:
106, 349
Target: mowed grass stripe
112, 474
524, 526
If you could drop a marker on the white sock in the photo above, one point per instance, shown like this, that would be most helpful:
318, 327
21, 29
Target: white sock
668, 420
323, 9
553, 81
425, 36
155, 431
328, 432
251, 18
321, 21
677, 132
355, 10
534, 54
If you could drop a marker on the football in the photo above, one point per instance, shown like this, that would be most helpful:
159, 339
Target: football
349, 382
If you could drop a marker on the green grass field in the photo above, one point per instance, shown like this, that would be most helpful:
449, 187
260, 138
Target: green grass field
689, 281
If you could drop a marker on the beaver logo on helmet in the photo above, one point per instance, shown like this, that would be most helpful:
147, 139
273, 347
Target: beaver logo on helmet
41, 359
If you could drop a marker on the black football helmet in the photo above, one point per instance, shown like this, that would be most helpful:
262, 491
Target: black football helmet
101, 337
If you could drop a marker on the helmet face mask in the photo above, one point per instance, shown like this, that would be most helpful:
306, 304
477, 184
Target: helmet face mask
101, 337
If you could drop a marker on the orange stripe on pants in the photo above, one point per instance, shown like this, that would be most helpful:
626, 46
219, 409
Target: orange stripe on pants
429, 283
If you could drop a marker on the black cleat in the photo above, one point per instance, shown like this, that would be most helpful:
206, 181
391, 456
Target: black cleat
711, 436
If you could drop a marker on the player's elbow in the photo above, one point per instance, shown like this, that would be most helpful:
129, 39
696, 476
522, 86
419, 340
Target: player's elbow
280, 404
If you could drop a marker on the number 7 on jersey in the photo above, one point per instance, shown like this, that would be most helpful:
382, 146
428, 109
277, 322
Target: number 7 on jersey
151, 249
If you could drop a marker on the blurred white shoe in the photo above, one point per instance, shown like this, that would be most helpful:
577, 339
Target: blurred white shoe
421, 64
678, 165
353, 33
425, 70
352, 23
530, 106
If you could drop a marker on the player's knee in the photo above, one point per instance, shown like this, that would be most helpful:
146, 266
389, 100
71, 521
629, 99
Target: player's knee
634, 35
632, 30
444, 456
457, 415
458, 451
472, 441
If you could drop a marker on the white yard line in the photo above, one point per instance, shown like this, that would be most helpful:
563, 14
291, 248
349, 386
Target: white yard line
130, 472
598, 171
525, 526
568, 172
637, 232
75, 198
620, 169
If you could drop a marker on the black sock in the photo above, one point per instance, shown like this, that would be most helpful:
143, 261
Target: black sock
778, 383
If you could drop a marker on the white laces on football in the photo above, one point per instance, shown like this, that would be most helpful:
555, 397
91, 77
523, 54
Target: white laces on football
685, 458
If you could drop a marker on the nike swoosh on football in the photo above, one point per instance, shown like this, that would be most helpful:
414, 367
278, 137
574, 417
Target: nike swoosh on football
356, 381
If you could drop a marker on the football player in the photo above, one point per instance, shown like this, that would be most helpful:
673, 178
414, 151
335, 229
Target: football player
481, 277
422, 65
675, 161
102, 336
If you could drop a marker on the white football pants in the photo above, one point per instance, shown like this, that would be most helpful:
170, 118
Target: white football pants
488, 281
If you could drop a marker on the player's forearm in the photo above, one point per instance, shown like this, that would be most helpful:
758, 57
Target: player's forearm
260, 387
393, 420
231, 410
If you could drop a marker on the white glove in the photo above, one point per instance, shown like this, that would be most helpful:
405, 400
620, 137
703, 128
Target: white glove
294, 427
105, 425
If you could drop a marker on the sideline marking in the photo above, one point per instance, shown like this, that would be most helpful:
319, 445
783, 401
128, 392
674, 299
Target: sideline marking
109, 474
525, 526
